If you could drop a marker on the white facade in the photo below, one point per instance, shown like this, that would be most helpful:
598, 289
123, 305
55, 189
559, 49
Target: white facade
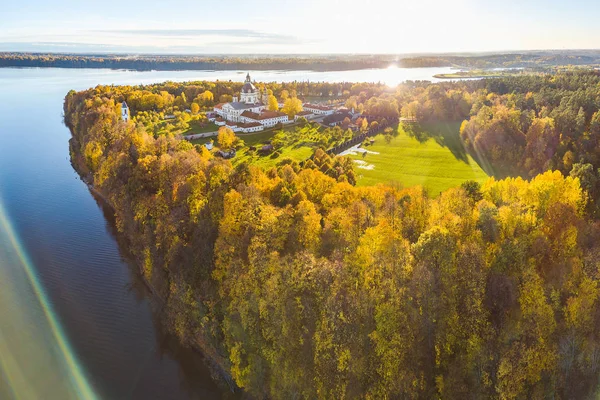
244, 128
124, 112
249, 112
317, 109
265, 118
232, 111
253, 128
306, 114
274, 121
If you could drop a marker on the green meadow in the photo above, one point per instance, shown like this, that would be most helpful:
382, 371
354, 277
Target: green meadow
299, 149
432, 156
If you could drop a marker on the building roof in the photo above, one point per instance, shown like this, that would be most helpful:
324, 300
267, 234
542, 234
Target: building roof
124, 105
219, 106
263, 115
238, 105
304, 112
250, 114
337, 117
271, 114
248, 86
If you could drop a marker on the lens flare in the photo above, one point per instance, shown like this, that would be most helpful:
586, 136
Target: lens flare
30, 327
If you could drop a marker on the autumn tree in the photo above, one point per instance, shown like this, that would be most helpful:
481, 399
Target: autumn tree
292, 106
284, 95
226, 138
272, 105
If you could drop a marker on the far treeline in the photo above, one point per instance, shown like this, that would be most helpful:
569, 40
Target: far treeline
297, 62
298, 284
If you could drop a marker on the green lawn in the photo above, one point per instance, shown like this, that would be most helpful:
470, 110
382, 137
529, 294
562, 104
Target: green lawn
194, 129
251, 139
297, 153
433, 157
256, 138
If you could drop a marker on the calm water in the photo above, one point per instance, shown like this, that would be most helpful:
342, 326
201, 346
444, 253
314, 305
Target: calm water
75, 320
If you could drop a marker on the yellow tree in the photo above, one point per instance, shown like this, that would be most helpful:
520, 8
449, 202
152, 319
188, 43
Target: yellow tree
272, 105
292, 106
207, 97
225, 138
195, 108
284, 95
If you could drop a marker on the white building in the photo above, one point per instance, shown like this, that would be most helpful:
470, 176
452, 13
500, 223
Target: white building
124, 112
265, 118
250, 100
304, 114
249, 114
245, 127
318, 109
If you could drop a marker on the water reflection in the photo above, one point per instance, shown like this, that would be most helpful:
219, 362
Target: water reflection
36, 359
197, 379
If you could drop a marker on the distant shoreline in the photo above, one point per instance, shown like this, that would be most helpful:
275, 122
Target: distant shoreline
318, 63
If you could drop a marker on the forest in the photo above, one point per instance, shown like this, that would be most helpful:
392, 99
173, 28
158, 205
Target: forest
298, 62
298, 284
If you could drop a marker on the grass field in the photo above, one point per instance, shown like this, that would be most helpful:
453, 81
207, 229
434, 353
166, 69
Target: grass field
210, 127
295, 152
433, 157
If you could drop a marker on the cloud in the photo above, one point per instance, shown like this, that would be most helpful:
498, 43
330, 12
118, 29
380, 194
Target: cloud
163, 41
239, 35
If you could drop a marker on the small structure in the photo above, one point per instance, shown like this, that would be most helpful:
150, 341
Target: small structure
337, 118
208, 145
124, 112
267, 148
226, 154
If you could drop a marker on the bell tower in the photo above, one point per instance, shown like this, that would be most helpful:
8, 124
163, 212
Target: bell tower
124, 112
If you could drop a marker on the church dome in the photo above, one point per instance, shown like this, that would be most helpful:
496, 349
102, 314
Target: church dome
248, 88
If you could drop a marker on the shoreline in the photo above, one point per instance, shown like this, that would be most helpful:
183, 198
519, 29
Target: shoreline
210, 358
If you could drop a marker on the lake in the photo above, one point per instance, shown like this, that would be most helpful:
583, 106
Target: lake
75, 319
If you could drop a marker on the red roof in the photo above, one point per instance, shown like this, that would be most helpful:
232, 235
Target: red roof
271, 114
262, 115
250, 114
219, 106
305, 112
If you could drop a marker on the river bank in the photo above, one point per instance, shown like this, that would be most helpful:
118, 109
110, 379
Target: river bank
216, 362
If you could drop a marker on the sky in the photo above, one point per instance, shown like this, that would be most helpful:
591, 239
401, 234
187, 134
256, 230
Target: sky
298, 27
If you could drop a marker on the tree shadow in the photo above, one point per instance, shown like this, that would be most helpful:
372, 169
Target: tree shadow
446, 134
